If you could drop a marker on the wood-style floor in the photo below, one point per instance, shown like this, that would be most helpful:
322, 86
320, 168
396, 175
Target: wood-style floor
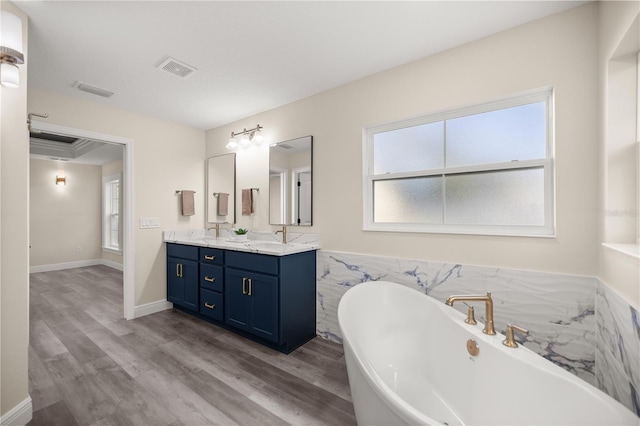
89, 366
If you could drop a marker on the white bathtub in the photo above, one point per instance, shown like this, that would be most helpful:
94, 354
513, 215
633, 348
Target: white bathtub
408, 364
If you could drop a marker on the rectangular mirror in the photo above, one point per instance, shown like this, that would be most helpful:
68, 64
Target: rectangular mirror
290, 182
221, 189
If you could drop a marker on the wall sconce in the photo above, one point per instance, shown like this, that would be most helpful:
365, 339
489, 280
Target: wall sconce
247, 138
10, 49
61, 179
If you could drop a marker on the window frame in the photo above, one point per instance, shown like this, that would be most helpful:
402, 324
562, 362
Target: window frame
547, 230
107, 214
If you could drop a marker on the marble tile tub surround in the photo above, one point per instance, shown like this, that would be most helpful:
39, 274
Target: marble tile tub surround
617, 347
296, 242
558, 310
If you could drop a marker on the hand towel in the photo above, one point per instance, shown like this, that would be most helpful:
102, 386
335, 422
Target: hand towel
188, 203
247, 202
223, 204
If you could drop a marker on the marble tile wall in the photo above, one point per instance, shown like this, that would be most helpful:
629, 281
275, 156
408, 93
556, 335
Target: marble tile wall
576, 322
558, 310
617, 347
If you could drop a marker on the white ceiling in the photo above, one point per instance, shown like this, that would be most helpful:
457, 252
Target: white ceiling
250, 56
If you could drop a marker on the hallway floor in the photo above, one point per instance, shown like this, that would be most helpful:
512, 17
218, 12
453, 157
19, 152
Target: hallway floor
89, 366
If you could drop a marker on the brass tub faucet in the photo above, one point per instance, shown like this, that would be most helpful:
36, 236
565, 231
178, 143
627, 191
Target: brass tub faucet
488, 303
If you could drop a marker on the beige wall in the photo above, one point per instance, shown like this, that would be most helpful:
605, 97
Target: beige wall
14, 237
558, 51
167, 157
618, 270
107, 170
63, 218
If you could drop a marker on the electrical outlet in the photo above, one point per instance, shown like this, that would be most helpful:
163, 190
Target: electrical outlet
78, 249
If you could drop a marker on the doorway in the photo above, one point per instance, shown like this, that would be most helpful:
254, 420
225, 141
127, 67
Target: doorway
127, 197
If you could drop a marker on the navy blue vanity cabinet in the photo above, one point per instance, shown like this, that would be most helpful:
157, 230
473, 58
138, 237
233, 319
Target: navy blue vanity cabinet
272, 297
182, 275
212, 283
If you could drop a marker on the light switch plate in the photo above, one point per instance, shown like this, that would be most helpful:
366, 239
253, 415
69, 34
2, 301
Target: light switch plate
149, 222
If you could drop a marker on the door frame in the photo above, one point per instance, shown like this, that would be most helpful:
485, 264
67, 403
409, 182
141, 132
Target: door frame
128, 258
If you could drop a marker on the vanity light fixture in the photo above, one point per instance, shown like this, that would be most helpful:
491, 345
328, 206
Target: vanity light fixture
61, 179
247, 138
10, 49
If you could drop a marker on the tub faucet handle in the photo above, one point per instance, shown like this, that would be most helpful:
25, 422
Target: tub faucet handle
471, 317
510, 340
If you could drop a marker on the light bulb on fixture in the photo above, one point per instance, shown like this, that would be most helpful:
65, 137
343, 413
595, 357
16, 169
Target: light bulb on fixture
233, 143
257, 138
244, 141
11, 49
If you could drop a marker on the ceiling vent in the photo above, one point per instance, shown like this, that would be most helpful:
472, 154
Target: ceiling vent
94, 90
175, 67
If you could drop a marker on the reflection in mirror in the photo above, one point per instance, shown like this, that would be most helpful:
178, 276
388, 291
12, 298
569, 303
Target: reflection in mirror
290, 182
221, 189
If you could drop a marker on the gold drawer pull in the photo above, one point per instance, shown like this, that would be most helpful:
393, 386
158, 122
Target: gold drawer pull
208, 279
209, 257
244, 286
207, 305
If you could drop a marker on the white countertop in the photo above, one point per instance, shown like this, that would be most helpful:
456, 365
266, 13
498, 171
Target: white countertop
258, 242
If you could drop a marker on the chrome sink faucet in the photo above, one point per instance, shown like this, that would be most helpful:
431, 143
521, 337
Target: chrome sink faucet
284, 234
488, 303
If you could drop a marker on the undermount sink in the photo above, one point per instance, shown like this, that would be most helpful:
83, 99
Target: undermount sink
267, 245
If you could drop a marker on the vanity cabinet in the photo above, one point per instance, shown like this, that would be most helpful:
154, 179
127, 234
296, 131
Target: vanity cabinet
269, 299
182, 276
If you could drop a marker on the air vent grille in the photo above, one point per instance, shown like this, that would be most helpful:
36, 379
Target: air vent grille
94, 90
175, 67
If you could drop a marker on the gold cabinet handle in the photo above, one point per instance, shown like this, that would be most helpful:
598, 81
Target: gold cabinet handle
207, 305
181, 271
209, 257
209, 279
250, 286
244, 286
178, 270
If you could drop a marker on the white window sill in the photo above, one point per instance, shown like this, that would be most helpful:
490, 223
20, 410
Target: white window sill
112, 251
632, 250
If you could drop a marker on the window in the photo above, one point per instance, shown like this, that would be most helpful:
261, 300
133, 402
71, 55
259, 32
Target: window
485, 169
111, 213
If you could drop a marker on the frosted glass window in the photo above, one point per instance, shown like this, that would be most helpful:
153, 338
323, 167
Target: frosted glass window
409, 149
517, 133
415, 200
483, 169
511, 197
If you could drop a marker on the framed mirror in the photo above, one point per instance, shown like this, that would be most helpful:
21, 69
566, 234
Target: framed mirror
291, 182
221, 189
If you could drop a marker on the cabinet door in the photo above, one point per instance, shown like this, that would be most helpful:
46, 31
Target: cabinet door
251, 303
236, 312
182, 282
264, 306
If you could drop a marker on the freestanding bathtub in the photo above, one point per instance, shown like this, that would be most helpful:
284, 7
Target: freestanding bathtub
408, 363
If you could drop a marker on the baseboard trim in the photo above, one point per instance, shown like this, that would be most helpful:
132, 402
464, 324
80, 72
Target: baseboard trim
151, 308
112, 264
77, 264
19, 415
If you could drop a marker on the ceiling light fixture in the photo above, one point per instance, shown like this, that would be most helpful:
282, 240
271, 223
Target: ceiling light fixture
248, 138
10, 49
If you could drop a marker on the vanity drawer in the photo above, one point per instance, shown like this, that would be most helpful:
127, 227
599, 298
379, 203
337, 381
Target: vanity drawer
211, 304
212, 256
212, 277
252, 262
182, 251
